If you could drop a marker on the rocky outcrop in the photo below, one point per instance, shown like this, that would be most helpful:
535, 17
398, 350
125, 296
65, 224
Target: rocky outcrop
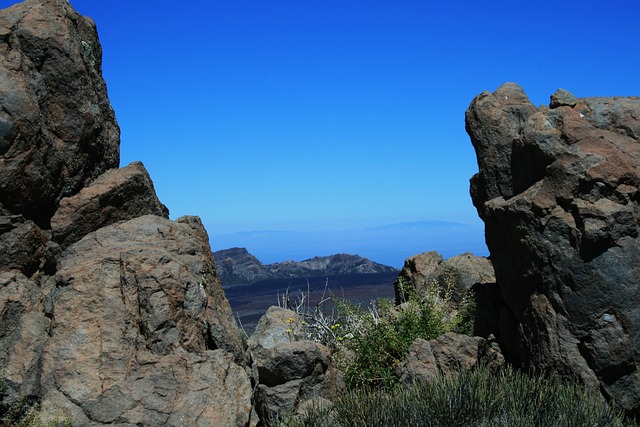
446, 355
457, 275
238, 266
557, 189
57, 128
109, 312
132, 302
290, 373
117, 195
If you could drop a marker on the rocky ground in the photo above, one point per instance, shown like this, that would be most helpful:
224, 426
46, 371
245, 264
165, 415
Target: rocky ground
115, 315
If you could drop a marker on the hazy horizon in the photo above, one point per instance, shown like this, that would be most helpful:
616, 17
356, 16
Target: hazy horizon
388, 244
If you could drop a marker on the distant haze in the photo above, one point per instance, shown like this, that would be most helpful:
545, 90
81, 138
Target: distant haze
389, 244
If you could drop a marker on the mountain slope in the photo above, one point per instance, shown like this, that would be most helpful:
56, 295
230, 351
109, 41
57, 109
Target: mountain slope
238, 266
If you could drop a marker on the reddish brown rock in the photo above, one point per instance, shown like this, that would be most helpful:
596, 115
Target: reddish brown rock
141, 329
117, 195
558, 191
57, 128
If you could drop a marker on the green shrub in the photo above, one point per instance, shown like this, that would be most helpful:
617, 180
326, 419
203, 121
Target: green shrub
367, 344
471, 398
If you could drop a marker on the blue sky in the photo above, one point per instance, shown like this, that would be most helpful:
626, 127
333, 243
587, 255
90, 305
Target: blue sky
326, 119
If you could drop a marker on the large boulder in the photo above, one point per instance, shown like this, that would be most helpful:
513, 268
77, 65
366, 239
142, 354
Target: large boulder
117, 195
57, 128
557, 189
141, 331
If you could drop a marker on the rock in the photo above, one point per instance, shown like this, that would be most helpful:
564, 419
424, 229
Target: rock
456, 275
141, 329
23, 245
23, 334
558, 191
462, 272
117, 195
417, 274
562, 98
446, 355
276, 326
129, 324
179, 389
291, 373
57, 128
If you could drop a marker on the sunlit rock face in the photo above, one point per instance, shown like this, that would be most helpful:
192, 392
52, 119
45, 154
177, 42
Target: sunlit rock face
557, 189
57, 128
110, 313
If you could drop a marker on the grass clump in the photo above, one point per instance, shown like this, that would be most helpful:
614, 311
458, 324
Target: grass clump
471, 398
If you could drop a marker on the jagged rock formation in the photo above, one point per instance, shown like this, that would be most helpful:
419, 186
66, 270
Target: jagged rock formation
457, 275
238, 266
109, 312
557, 189
58, 128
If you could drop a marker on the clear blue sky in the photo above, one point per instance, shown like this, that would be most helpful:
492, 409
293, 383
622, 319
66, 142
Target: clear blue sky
329, 117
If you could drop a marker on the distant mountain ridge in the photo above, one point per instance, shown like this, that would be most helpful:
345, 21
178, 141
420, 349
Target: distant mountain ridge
237, 266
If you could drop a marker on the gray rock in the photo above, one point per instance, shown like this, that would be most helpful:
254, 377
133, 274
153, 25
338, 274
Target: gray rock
447, 355
562, 98
277, 326
117, 195
23, 245
291, 373
558, 191
57, 128
455, 275
23, 333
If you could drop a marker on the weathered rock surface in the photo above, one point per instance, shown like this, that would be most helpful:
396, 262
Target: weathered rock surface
289, 375
446, 355
129, 324
23, 245
457, 275
557, 189
57, 128
24, 330
136, 302
117, 195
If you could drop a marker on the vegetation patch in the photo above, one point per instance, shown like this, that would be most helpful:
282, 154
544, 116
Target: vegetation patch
470, 398
368, 343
